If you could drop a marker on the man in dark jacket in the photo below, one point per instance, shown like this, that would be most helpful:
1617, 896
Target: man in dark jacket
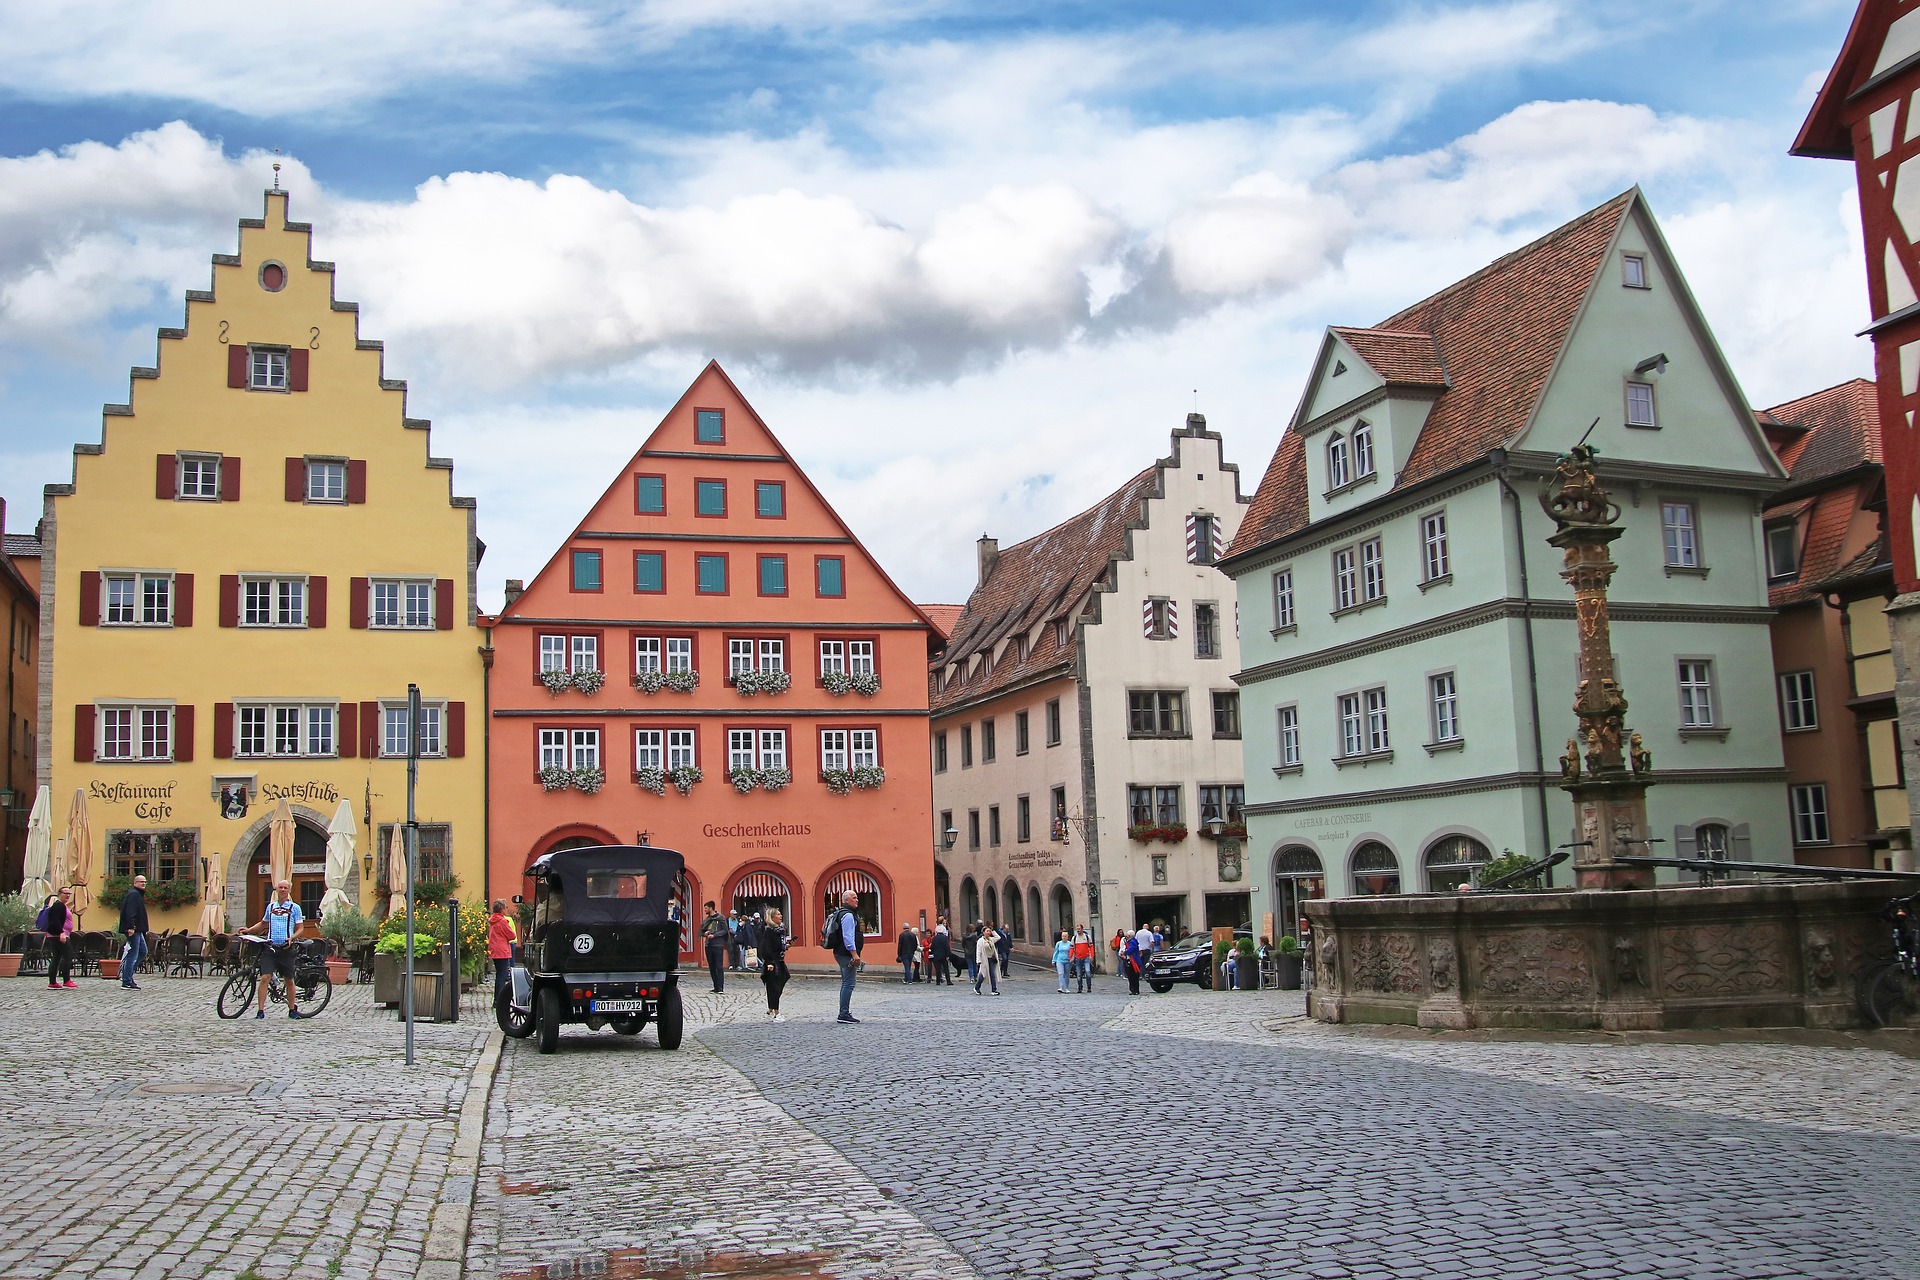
939, 955
907, 952
713, 929
1005, 948
133, 927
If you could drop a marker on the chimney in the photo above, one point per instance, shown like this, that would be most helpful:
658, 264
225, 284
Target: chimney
989, 556
1196, 423
515, 589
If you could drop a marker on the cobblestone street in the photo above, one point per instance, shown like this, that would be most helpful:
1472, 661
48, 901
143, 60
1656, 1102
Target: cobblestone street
1034, 1135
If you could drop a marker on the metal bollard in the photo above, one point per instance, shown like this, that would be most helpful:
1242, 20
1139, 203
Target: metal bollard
452, 998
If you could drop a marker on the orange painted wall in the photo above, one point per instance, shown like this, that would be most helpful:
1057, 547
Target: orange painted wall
803, 833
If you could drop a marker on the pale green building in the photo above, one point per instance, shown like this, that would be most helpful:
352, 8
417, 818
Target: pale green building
1407, 641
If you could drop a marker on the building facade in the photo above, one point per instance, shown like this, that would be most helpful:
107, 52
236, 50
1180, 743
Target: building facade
1868, 112
1409, 645
1086, 748
239, 584
713, 663
20, 610
1827, 579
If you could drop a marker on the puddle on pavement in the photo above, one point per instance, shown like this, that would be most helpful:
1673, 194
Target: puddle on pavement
686, 1264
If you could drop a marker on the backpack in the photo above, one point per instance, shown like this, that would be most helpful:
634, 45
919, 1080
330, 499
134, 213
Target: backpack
40, 921
830, 938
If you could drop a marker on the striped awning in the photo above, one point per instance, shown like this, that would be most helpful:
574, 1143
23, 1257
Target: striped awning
858, 881
761, 884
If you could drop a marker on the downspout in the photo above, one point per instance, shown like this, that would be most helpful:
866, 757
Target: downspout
486, 767
1089, 803
1498, 458
6, 810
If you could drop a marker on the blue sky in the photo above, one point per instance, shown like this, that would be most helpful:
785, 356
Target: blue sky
971, 261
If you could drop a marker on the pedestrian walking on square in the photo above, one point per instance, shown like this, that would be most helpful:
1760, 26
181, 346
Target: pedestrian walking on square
133, 925
772, 941
907, 952
713, 928
748, 938
1062, 958
1130, 964
58, 926
940, 955
1082, 960
985, 950
502, 933
845, 935
1005, 948
970, 950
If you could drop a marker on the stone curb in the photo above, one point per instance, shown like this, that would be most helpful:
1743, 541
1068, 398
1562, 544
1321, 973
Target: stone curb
445, 1254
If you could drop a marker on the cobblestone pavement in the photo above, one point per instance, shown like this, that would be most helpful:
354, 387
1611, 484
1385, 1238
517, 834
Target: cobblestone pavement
143, 1137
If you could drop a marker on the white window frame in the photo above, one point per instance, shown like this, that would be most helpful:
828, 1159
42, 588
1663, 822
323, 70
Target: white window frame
286, 602
191, 482
833, 658
1697, 694
583, 746
1361, 443
1353, 725
144, 588
1443, 702
259, 732
1799, 701
834, 749
1339, 465
115, 612
1346, 579
1790, 531
772, 656
1283, 614
266, 369
1642, 409
864, 745
1373, 571
1812, 819
402, 616
584, 653
739, 656
137, 721
326, 480
650, 749
1435, 560
553, 652
1680, 533
683, 747
1289, 722
861, 658
553, 749
393, 729
1375, 701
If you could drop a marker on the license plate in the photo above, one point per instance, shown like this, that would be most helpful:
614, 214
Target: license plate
619, 1006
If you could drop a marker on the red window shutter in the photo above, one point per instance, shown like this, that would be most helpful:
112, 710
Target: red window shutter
456, 729
297, 369
443, 604
223, 731
166, 472
349, 730
229, 479
236, 366
357, 603
356, 480
296, 479
317, 601
83, 733
229, 600
89, 600
370, 727
183, 733
182, 599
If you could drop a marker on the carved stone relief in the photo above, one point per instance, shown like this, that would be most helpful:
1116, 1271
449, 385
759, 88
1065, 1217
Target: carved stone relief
1440, 964
1629, 967
1534, 964
1387, 963
1726, 959
1823, 972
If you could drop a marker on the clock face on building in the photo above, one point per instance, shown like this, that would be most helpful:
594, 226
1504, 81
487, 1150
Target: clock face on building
583, 942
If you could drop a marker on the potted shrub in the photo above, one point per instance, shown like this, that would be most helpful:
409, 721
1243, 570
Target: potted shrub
389, 960
1247, 964
1286, 962
347, 928
16, 917
1220, 950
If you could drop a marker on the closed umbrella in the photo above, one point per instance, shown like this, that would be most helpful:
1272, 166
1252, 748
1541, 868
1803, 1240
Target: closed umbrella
280, 845
213, 914
80, 854
340, 833
397, 874
38, 884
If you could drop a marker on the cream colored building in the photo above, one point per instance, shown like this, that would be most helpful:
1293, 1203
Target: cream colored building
1086, 749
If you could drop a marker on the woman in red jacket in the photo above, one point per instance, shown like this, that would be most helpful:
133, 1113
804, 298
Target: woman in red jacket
502, 933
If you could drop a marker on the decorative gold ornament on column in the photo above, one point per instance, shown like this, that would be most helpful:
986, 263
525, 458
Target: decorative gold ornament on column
1610, 792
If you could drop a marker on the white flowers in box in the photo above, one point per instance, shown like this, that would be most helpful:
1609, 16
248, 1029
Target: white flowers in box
649, 778
589, 680
744, 780
775, 779
864, 683
683, 777
678, 681
866, 777
869, 776
558, 680
589, 780
555, 778
752, 682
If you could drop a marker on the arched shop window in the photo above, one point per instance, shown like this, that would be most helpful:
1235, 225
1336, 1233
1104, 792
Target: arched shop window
1298, 878
867, 890
1454, 861
1375, 870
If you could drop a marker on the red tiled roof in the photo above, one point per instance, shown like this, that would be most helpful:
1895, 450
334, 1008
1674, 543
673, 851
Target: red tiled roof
1842, 431
1497, 334
1040, 580
1871, 562
943, 617
1401, 359
1822, 547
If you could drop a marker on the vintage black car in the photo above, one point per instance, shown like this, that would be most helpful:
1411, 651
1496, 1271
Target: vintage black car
603, 948
1188, 960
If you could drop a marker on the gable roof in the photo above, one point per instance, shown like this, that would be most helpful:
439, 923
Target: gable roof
1046, 578
943, 617
1495, 338
1824, 134
1401, 358
1839, 430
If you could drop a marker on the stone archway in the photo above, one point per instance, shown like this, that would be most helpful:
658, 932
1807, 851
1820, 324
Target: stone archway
250, 842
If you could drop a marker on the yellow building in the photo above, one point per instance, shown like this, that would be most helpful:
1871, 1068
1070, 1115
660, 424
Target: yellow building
239, 585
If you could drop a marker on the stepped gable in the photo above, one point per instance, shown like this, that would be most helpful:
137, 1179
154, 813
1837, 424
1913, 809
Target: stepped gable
1045, 578
1495, 337
1837, 430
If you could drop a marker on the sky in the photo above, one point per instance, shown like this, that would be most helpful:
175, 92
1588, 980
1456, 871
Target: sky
972, 262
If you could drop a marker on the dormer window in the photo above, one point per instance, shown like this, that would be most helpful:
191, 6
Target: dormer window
1362, 449
1783, 551
1338, 470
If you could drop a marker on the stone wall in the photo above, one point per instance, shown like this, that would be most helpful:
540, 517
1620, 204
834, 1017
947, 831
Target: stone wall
1730, 956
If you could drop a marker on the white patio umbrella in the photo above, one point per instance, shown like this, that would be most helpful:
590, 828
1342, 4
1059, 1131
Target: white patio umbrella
38, 884
340, 833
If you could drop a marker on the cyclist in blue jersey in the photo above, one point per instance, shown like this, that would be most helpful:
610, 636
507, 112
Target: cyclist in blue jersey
277, 926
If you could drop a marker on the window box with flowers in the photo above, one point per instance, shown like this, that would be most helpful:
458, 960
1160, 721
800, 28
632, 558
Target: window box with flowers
555, 778
748, 683
745, 780
1148, 832
685, 681
683, 777
843, 781
557, 679
840, 683
1231, 831
588, 780
587, 680
649, 778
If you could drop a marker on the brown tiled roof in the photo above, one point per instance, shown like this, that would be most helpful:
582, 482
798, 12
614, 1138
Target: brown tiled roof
1872, 561
1842, 426
1822, 547
943, 617
1401, 358
19, 544
1496, 334
1040, 580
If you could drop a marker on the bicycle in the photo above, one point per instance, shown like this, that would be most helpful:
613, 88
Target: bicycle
1887, 989
310, 982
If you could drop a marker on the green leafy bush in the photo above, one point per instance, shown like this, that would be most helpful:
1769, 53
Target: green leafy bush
348, 926
395, 944
1247, 950
1506, 864
17, 913
1289, 945
431, 922
112, 889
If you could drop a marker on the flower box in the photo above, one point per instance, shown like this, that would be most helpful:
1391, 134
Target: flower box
651, 779
677, 681
1148, 832
749, 683
842, 781
1232, 831
589, 681
554, 778
588, 781
557, 679
683, 777
743, 780
840, 683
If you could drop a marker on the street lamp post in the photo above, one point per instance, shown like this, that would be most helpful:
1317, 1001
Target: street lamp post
413, 848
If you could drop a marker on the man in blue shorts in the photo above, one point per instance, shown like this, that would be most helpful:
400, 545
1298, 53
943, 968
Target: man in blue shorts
278, 925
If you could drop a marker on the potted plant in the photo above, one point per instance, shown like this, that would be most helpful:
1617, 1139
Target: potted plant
389, 959
170, 894
748, 683
347, 928
775, 779
868, 776
16, 917
683, 681
1287, 962
1247, 964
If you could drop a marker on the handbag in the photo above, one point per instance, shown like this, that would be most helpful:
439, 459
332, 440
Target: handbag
750, 957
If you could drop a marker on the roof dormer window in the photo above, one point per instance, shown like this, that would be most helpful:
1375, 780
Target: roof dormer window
1362, 443
1339, 469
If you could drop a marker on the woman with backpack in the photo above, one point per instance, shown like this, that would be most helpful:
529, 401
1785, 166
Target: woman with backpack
773, 960
56, 921
1081, 958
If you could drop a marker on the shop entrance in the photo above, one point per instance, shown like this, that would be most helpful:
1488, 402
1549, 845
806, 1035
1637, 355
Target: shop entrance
309, 873
1229, 911
1167, 911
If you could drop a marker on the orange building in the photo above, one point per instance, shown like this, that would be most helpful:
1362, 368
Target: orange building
713, 663
20, 607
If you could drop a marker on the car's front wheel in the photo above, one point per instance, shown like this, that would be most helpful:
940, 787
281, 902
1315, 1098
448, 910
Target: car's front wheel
1161, 987
1203, 979
546, 1016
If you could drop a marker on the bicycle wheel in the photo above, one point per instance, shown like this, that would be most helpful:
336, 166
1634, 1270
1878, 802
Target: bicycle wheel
1884, 994
236, 995
315, 994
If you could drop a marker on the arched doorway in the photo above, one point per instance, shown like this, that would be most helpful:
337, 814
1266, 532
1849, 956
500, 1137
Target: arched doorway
1375, 870
1036, 919
942, 893
1453, 861
1298, 878
309, 872
686, 894
1016, 910
1062, 899
969, 903
759, 890
866, 892
993, 907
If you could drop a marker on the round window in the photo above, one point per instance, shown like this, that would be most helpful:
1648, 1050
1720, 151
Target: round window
273, 277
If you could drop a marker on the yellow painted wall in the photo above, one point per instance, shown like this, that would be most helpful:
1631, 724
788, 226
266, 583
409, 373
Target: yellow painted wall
409, 524
1869, 635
